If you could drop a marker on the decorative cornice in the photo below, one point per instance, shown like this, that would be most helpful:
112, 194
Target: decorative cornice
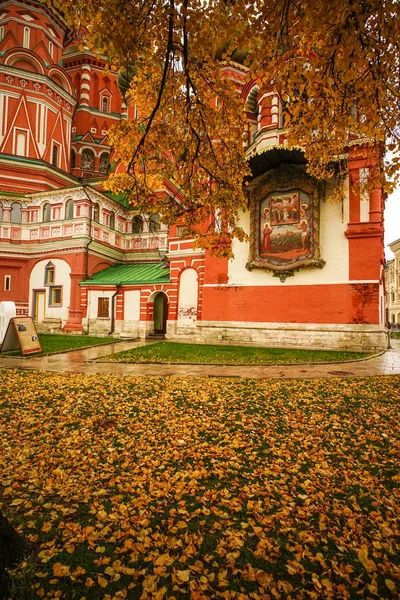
44, 79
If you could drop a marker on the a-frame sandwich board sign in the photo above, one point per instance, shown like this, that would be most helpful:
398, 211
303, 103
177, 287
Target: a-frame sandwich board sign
21, 334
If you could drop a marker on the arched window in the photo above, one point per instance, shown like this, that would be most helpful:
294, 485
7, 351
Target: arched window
105, 104
49, 273
73, 159
1, 33
154, 223
253, 110
51, 49
112, 221
87, 163
69, 209
46, 213
1, 212
96, 212
104, 162
55, 154
137, 224
27, 37
16, 213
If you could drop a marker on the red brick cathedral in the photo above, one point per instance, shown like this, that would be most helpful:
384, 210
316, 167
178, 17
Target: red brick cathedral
77, 259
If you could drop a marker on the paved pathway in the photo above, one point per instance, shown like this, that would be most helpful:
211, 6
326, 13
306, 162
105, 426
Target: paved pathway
84, 361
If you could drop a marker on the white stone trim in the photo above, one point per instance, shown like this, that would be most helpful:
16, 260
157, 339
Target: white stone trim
368, 338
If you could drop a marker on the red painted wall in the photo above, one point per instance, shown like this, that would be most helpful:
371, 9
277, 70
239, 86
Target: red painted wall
357, 303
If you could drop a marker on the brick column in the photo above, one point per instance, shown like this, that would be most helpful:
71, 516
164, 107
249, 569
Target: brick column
75, 312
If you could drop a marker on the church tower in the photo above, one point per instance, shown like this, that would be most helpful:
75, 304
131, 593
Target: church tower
99, 106
37, 100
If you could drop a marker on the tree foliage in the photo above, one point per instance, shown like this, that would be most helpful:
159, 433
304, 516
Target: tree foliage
335, 65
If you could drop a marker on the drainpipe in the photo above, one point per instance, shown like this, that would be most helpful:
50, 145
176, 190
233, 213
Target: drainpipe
90, 232
113, 309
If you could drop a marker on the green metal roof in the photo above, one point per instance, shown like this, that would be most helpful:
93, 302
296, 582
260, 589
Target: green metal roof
120, 198
131, 274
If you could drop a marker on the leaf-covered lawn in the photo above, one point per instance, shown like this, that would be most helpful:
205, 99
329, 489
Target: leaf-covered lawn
203, 488
176, 352
60, 343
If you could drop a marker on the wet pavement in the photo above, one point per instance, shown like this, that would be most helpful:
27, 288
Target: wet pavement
85, 361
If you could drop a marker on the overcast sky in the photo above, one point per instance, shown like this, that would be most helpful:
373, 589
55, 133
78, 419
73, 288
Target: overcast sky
392, 221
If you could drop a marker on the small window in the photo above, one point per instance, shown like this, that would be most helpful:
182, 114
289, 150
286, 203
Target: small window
73, 159
46, 213
7, 283
21, 143
112, 221
16, 212
49, 274
137, 224
105, 104
103, 308
55, 155
154, 223
96, 213
51, 49
69, 209
55, 298
1, 212
27, 37
179, 230
1, 33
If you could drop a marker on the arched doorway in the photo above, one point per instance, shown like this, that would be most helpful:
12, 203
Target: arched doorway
160, 313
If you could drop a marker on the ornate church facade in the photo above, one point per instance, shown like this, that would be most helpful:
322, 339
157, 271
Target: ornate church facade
78, 259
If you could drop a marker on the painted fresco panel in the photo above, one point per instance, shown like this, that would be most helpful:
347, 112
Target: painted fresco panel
286, 228
284, 209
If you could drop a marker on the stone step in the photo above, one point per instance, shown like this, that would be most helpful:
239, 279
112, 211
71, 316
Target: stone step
155, 336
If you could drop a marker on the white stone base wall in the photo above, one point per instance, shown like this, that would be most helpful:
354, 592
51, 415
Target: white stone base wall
97, 326
128, 329
355, 338
49, 326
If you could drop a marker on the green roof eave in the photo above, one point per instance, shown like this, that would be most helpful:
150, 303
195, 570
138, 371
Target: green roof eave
131, 274
120, 198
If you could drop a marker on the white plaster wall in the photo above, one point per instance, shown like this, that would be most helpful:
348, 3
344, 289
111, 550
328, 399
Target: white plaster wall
62, 278
333, 249
93, 296
130, 326
188, 293
132, 305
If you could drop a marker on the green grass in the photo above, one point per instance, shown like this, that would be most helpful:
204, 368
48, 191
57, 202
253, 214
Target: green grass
60, 343
151, 488
175, 352
395, 335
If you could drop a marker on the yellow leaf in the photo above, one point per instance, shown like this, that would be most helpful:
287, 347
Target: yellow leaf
17, 502
183, 575
390, 584
181, 524
102, 581
368, 564
60, 570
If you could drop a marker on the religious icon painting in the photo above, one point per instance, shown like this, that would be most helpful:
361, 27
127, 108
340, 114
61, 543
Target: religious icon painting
284, 209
